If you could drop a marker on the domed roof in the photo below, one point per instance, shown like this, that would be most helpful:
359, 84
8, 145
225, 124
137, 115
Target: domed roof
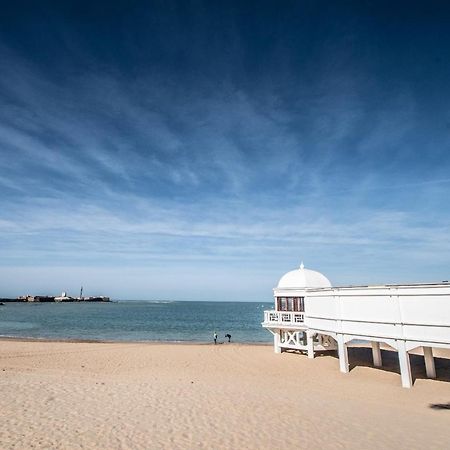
303, 278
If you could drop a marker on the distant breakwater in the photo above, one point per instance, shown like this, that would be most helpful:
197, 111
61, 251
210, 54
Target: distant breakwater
51, 299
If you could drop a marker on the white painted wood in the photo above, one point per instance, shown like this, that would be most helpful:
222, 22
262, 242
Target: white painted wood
376, 353
399, 317
343, 354
310, 345
276, 343
405, 365
429, 362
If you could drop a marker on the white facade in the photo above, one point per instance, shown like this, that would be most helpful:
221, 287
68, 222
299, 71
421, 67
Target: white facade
314, 316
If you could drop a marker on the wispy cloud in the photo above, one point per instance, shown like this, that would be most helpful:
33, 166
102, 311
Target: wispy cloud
106, 170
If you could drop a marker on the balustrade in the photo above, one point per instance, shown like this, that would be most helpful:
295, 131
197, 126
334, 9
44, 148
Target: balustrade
283, 317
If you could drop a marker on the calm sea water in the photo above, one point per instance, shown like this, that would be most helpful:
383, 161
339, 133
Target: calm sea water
136, 321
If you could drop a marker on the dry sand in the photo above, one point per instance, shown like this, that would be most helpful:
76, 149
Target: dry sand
151, 396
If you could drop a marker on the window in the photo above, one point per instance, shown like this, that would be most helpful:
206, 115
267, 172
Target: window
290, 304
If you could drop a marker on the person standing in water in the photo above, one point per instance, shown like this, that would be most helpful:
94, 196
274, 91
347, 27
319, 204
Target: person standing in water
215, 338
228, 336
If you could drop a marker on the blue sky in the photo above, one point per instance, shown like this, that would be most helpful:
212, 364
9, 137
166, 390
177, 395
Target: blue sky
200, 150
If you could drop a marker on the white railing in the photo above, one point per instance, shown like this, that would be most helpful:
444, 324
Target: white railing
283, 317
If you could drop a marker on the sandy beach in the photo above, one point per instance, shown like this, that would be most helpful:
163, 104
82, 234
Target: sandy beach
68, 395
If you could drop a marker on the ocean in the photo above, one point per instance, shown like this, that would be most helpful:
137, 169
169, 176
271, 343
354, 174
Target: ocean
126, 320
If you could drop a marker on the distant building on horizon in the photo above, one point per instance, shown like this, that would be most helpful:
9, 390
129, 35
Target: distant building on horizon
311, 315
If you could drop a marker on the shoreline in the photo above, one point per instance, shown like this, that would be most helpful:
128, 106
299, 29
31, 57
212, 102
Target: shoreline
149, 342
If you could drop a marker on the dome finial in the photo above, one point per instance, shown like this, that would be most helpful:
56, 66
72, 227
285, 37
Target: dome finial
302, 266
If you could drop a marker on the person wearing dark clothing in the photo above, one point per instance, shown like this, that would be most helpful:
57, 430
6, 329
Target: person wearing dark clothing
215, 338
228, 336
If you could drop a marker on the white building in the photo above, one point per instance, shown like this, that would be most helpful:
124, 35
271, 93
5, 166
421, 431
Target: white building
310, 315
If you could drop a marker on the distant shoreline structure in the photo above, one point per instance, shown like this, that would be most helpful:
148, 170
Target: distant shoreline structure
54, 299
311, 315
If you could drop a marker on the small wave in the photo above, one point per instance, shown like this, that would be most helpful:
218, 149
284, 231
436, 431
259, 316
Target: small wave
18, 325
161, 302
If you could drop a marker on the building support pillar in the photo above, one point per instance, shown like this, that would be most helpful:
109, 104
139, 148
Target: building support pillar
310, 346
343, 354
376, 354
276, 342
429, 362
405, 364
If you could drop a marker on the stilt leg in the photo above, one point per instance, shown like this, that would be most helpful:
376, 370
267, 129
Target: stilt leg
429, 362
276, 342
343, 354
376, 353
310, 344
405, 365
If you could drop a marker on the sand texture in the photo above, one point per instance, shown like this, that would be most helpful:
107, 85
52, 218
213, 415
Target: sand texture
61, 395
